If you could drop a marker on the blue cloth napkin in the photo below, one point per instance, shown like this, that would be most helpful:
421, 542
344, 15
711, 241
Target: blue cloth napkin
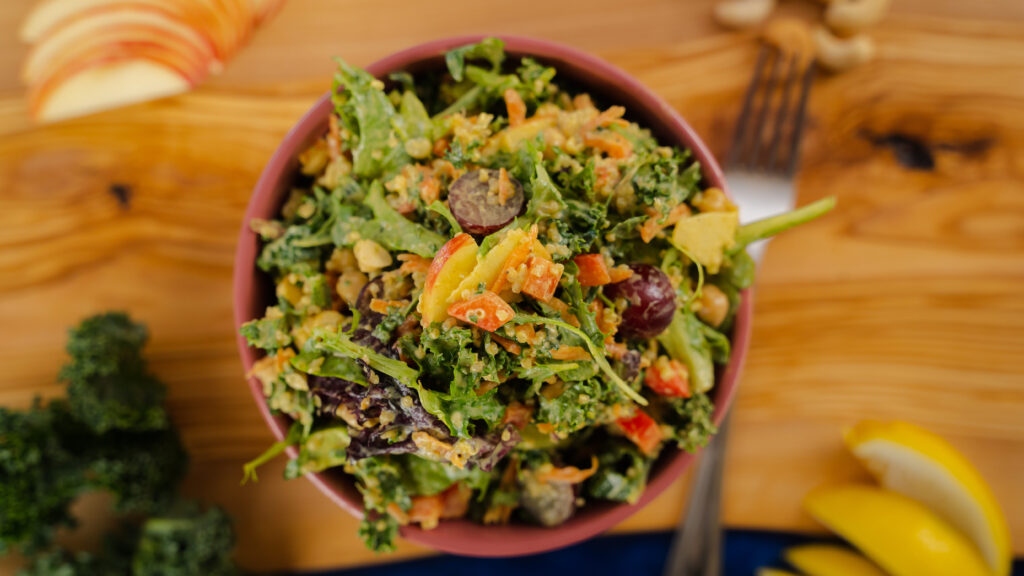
625, 555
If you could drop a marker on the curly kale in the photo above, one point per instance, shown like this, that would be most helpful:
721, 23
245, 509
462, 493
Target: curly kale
109, 387
186, 542
39, 479
142, 470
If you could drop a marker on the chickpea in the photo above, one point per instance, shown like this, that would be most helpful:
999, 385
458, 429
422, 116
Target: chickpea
713, 200
714, 305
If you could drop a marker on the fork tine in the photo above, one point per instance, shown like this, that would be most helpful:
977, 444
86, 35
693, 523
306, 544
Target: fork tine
791, 78
754, 146
798, 124
748, 100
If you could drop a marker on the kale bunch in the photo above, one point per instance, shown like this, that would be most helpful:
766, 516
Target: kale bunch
109, 387
112, 433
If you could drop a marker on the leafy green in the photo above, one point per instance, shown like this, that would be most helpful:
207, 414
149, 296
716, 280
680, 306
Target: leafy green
185, 543
582, 403
621, 474
369, 115
381, 483
415, 119
689, 420
269, 333
294, 436
764, 228
109, 387
595, 352
719, 344
437, 206
448, 358
341, 344
394, 231
490, 49
684, 341
323, 449
319, 364
39, 479
663, 177
141, 469
427, 477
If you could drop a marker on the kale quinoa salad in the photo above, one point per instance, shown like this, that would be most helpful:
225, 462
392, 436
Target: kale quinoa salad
496, 299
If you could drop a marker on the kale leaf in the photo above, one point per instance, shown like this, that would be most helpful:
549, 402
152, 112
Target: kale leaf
109, 387
368, 114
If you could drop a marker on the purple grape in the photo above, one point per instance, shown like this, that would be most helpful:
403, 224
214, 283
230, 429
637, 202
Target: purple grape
476, 206
651, 301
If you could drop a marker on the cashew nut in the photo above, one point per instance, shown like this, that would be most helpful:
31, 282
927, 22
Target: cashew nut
851, 16
839, 54
789, 35
741, 14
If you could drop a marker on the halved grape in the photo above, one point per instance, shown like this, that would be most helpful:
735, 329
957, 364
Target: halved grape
477, 202
650, 298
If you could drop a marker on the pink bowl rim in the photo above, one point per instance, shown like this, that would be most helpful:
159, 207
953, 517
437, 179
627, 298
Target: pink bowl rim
461, 536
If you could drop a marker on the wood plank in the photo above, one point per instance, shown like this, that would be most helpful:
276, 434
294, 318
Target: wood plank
902, 304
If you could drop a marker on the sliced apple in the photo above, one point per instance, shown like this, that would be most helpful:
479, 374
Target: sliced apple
121, 43
150, 25
491, 265
105, 85
47, 15
452, 263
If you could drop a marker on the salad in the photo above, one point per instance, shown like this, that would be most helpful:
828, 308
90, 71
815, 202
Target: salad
496, 299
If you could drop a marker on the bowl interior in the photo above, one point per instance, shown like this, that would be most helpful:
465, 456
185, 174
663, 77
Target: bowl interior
577, 71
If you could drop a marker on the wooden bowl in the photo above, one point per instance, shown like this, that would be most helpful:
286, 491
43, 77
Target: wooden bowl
253, 291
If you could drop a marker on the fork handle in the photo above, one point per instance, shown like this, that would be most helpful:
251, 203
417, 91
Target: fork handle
697, 546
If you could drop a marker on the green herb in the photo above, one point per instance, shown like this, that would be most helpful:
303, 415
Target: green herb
368, 115
684, 341
761, 229
592, 348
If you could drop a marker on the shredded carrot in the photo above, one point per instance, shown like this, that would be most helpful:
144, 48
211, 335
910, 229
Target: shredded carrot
510, 346
486, 386
517, 257
614, 350
413, 263
396, 512
649, 229
430, 188
381, 306
563, 310
333, 138
440, 146
581, 101
505, 189
566, 475
426, 510
515, 106
517, 414
611, 143
456, 501
570, 353
545, 427
525, 334
610, 116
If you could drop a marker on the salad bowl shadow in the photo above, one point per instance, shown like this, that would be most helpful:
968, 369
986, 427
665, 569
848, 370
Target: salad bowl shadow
253, 291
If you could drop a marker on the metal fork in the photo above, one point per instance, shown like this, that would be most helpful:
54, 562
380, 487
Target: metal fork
759, 169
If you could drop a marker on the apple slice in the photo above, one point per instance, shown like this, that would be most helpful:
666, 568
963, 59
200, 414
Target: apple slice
49, 14
151, 24
127, 43
489, 267
452, 263
103, 85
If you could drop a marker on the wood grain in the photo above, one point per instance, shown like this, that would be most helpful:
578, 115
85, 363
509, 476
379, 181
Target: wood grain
904, 303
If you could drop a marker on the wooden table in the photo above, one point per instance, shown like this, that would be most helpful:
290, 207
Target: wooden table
905, 303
